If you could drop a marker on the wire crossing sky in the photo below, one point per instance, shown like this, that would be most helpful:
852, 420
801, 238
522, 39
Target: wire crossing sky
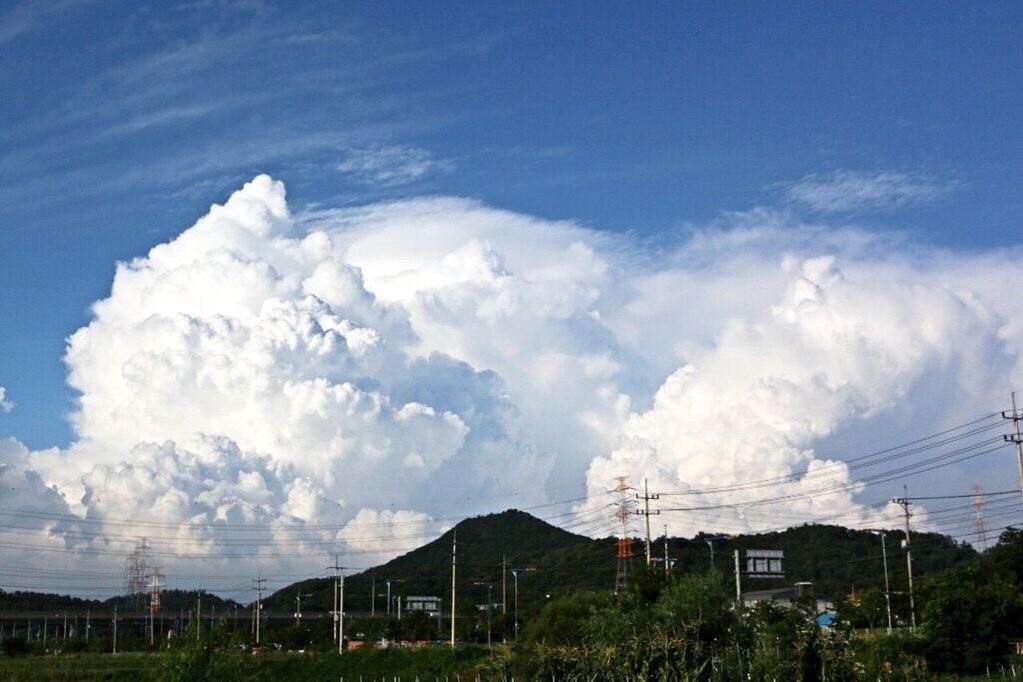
366, 269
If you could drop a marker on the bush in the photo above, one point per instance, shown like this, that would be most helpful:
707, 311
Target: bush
968, 615
15, 647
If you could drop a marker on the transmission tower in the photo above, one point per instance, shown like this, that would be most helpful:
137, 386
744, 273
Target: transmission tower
136, 571
978, 506
623, 511
154, 592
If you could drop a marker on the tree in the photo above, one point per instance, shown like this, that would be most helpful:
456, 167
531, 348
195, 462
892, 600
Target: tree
969, 615
868, 610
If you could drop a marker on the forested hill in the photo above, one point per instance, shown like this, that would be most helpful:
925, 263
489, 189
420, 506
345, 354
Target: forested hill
554, 561
836, 559
173, 601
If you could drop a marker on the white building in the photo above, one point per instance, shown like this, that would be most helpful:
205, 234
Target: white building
429, 604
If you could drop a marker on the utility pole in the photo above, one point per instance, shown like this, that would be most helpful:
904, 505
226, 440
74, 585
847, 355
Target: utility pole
904, 502
667, 565
646, 497
198, 617
504, 584
115, 627
738, 579
341, 616
298, 609
373, 596
1015, 437
338, 626
333, 625
454, 549
258, 584
88, 623
339, 603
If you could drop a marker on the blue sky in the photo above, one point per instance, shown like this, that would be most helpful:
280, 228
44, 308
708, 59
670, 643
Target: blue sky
122, 123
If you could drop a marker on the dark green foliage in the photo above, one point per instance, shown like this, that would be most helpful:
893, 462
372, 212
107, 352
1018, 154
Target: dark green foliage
15, 647
689, 632
835, 559
42, 601
1006, 558
969, 615
123, 667
173, 601
483, 541
898, 656
561, 622
231, 664
868, 611
199, 658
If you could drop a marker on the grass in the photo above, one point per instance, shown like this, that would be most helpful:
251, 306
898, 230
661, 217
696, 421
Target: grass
425, 664
80, 667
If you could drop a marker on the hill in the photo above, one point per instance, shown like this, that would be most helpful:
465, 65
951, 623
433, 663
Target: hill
173, 600
837, 560
518, 538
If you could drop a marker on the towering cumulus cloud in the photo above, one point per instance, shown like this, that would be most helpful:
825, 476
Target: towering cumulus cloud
359, 373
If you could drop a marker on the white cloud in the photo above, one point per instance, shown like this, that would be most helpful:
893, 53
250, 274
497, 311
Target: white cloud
844, 191
374, 536
392, 165
5, 404
310, 376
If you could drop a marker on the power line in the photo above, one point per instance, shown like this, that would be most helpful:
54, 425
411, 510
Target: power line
844, 462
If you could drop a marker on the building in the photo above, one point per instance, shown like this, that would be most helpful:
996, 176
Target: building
429, 604
785, 596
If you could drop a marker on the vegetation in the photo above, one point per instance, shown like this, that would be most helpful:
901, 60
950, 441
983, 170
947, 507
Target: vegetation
837, 560
685, 627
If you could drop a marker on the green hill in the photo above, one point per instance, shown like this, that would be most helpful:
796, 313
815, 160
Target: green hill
483, 542
836, 559
173, 600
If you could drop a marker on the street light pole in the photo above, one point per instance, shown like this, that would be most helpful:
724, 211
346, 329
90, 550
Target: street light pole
887, 589
490, 611
515, 577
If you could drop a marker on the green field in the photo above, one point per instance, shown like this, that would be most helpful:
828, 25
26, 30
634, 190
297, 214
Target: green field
426, 664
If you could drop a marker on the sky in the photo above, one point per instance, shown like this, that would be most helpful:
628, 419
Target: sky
507, 252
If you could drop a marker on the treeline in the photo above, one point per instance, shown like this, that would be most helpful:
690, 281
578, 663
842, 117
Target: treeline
837, 560
171, 601
689, 629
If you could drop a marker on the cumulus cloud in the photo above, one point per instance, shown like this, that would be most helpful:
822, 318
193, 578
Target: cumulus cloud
835, 347
344, 378
375, 536
391, 165
844, 191
5, 404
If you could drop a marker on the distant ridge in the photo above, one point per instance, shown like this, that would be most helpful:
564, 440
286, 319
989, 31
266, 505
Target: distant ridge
834, 558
